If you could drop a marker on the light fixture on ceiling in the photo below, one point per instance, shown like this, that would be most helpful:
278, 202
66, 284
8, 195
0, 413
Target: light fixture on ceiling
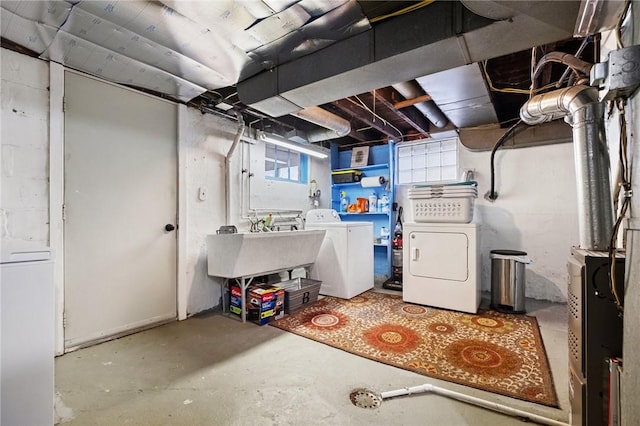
293, 146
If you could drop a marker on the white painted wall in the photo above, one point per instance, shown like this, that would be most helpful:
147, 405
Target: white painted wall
24, 187
205, 140
535, 212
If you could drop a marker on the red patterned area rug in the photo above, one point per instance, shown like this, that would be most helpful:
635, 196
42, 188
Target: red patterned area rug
491, 351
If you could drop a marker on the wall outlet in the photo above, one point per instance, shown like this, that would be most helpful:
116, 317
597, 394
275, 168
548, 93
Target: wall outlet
467, 175
202, 193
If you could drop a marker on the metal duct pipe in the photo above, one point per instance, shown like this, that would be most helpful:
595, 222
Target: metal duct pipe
227, 168
429, 109
336, 127
586, 116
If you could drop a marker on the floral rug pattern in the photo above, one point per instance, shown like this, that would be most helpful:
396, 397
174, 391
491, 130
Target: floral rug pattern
496, 352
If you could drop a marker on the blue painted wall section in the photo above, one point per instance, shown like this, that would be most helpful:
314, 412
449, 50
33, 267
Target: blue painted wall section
380, 163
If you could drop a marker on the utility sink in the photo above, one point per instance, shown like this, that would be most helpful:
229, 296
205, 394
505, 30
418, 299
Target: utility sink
259, 253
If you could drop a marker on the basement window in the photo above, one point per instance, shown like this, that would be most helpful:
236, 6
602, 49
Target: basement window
427, 161
284, 164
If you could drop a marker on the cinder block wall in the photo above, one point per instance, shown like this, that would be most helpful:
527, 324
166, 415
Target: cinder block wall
24, 170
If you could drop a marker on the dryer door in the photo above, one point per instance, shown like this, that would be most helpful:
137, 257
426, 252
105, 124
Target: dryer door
440, 255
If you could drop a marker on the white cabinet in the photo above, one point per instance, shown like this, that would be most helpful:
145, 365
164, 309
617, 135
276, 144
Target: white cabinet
27, 318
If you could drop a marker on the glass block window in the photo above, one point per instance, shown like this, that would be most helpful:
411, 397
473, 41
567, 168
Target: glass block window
284, 164
427, 161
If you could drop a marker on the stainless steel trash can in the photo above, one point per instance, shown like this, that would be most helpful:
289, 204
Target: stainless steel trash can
508, 280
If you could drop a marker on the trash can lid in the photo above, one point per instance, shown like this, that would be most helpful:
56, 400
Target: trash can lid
509, 252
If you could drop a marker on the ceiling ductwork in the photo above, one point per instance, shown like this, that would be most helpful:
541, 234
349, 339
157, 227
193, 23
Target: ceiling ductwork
333, 126
411, 90
446, 35
467, 102
277, 58
586, 115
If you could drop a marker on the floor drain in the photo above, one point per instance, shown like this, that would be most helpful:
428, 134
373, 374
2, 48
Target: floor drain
365, 398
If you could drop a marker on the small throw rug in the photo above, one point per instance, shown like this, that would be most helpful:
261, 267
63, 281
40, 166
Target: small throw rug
492, 351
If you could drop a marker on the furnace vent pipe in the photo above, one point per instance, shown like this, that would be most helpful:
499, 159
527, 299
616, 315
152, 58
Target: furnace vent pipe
585, 114
334, 126
411, 90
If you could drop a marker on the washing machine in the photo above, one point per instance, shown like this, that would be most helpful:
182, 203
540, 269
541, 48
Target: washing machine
345, 261
441, 265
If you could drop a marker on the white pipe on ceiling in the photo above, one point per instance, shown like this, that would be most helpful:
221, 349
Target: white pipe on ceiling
336, 127
227, 168
429, 109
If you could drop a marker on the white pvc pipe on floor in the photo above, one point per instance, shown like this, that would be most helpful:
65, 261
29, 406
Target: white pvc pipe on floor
427, 387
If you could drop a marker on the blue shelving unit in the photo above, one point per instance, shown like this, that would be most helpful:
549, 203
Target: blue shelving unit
380, 163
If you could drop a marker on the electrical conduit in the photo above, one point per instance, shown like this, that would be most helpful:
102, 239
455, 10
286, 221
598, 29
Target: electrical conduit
576, 65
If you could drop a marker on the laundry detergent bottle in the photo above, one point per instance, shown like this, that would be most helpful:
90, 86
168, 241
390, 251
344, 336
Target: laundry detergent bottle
344, 202
373, 202
384, 200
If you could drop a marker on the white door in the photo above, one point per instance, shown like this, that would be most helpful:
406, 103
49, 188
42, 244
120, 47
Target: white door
120, 193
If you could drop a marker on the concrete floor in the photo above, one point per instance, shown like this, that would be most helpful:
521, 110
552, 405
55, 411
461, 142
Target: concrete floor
215, 370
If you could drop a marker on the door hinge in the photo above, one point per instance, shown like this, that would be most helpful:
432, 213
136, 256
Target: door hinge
64, 320
64, 212
64, 104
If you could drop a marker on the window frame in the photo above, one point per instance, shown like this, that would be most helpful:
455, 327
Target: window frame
303, 171
421, 164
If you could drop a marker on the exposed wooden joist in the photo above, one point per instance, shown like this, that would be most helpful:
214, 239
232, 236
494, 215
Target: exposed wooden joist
409, 102
411, 116
360, 113
354, 134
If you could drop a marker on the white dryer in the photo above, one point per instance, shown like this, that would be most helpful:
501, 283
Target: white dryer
345, 261
441, 265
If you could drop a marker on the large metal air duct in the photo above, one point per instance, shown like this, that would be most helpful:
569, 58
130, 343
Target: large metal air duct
442, 36
585, 114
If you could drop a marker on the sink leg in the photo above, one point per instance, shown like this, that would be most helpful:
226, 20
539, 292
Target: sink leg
243, 303
225, 295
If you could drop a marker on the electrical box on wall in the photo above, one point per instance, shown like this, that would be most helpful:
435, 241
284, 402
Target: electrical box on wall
619, 76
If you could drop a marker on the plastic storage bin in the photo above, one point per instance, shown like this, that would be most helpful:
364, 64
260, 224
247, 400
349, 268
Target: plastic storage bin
299, 293
346, 176
508, 280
